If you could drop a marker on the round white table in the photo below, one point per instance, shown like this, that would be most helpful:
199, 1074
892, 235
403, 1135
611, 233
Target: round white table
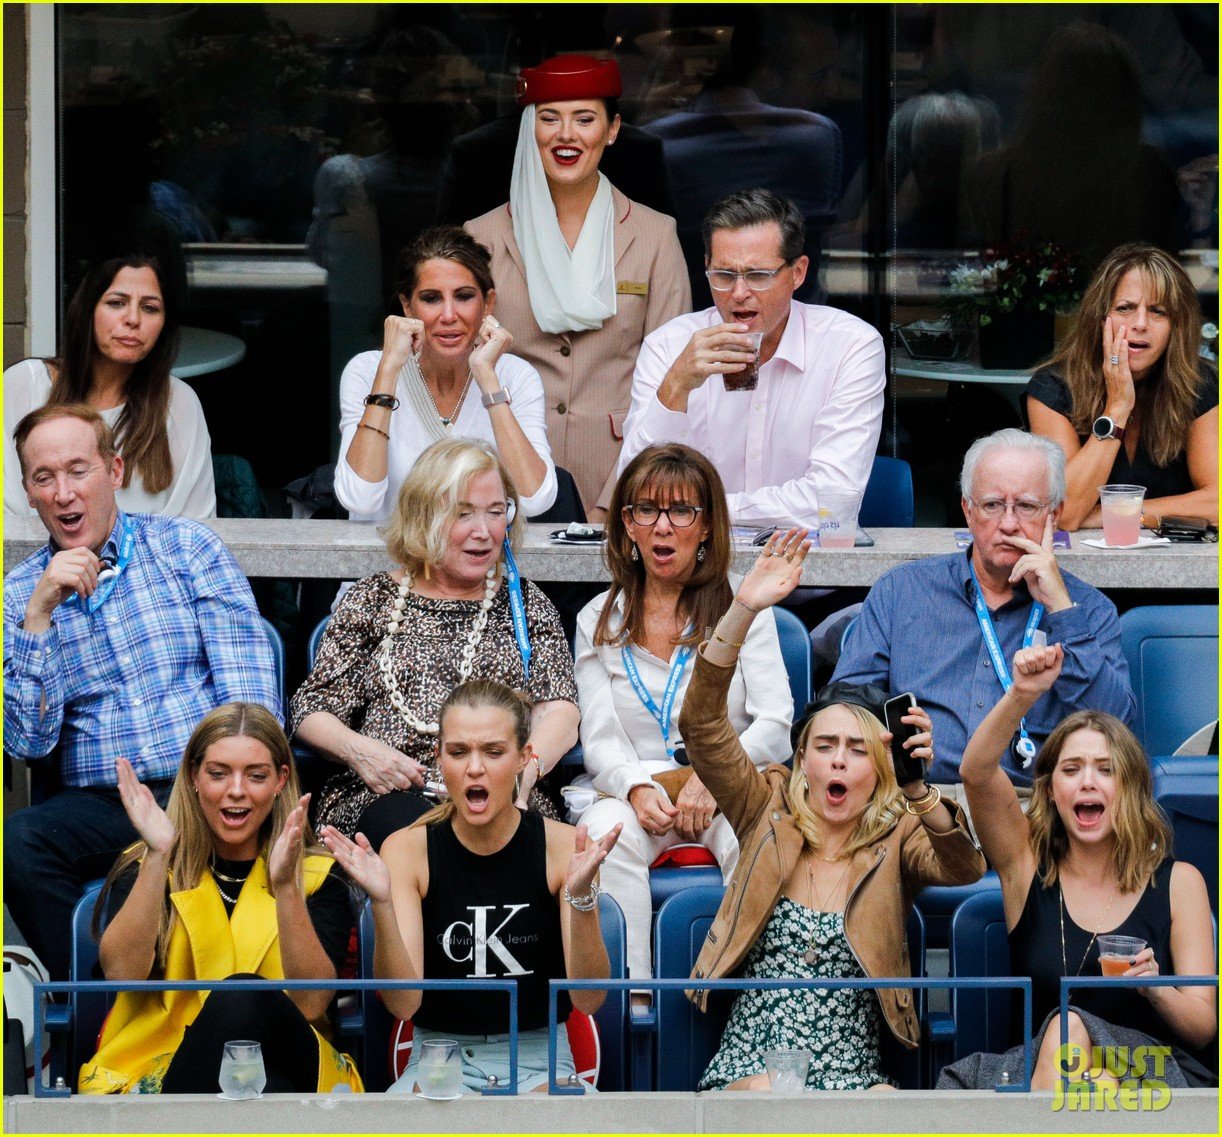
201, 351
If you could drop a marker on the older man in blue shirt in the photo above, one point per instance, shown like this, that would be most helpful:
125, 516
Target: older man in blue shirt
119, 637
946, 628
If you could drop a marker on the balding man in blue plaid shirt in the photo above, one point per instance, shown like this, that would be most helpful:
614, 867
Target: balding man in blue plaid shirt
119, 637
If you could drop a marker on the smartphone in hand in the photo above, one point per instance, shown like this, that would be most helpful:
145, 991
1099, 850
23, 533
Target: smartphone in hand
907, 767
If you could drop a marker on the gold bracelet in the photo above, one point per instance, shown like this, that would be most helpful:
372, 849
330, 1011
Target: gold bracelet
375, 429
729, 643
934, 792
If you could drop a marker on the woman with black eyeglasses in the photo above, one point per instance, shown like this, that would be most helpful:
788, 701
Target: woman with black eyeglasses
668, 550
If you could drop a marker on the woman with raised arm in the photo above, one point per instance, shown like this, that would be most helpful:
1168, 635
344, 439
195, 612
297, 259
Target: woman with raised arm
832, 855
417, 390
120, 342
1128, 397
1092, 857
224, 883
482, 889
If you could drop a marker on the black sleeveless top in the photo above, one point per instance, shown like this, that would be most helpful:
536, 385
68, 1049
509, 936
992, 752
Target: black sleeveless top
1035, 950
491, 917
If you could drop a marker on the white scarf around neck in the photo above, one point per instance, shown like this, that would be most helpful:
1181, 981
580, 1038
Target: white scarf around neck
570, 290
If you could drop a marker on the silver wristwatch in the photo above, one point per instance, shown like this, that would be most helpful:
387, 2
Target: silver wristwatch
493, 398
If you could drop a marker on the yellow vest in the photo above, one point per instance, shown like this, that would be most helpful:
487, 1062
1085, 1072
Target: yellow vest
144, 1029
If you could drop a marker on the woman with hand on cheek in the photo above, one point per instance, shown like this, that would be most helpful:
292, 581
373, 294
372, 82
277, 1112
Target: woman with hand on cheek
1092, 857
482, 889
1128, 397
224, 883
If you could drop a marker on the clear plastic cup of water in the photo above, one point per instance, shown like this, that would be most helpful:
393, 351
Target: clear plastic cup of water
787, 1070
242, 1071
440, 1073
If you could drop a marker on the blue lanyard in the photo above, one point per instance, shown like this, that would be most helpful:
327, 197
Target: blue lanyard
105, 587
517, 609
661, 714
1024, 746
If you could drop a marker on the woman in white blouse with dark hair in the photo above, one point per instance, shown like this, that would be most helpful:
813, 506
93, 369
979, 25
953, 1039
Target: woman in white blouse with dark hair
669, 551
443, 372
120, 339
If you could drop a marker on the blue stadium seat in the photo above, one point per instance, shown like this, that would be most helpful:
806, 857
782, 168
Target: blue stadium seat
978, 1019
1172, 650
314, 640
795, 650
939, 902
74, 1025
276, 643
687, 1038
1190, 801
888, 500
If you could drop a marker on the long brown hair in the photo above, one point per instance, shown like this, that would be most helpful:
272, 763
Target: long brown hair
192, 849
1143, 836
140, 432
675, 472
1168, 397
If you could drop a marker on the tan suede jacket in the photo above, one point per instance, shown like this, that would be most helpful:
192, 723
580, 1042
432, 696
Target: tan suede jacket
882, 878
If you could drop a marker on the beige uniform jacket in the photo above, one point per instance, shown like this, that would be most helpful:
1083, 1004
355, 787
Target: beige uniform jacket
587, 376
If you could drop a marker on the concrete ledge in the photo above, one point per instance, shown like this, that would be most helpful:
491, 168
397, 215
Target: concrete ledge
909, 1112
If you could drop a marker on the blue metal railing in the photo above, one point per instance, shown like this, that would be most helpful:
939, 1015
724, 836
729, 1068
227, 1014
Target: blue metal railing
1022, 983
508, 986
114, 986
1069, 982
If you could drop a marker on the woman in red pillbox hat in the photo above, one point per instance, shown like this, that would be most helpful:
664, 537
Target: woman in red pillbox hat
582, 273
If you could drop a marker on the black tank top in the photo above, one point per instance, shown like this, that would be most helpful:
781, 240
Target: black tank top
491, 917
1035, 950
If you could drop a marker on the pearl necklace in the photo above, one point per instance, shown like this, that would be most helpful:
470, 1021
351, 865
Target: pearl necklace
465, 666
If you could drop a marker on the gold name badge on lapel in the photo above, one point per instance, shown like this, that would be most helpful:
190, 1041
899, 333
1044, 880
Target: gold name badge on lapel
632, 288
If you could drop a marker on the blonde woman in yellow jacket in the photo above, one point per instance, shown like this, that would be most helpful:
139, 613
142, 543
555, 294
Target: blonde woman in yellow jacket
221, 885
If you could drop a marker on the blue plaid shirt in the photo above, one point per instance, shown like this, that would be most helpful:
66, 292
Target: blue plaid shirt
177, 636
918, 632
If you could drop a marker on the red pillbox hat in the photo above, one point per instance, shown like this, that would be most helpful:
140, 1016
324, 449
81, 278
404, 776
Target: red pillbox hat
569, 77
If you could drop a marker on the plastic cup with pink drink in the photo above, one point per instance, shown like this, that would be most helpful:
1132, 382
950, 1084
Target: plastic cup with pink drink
1121, 508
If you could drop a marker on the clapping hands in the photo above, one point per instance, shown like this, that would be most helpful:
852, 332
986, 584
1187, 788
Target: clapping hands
148, 819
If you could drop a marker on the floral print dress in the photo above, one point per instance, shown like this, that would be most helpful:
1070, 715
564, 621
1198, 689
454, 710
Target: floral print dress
839, 1026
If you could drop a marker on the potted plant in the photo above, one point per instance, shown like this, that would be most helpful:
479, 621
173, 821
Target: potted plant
1015, 293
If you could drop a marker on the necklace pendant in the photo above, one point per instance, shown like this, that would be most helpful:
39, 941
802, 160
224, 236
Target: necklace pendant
810, 957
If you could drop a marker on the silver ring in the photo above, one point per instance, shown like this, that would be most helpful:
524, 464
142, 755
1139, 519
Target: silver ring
1113, 359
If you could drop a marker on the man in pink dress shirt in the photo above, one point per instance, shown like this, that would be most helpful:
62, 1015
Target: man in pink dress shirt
811, 424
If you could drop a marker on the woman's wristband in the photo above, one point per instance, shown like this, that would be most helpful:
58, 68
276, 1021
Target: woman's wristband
742, 604
378, 400
729, 643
